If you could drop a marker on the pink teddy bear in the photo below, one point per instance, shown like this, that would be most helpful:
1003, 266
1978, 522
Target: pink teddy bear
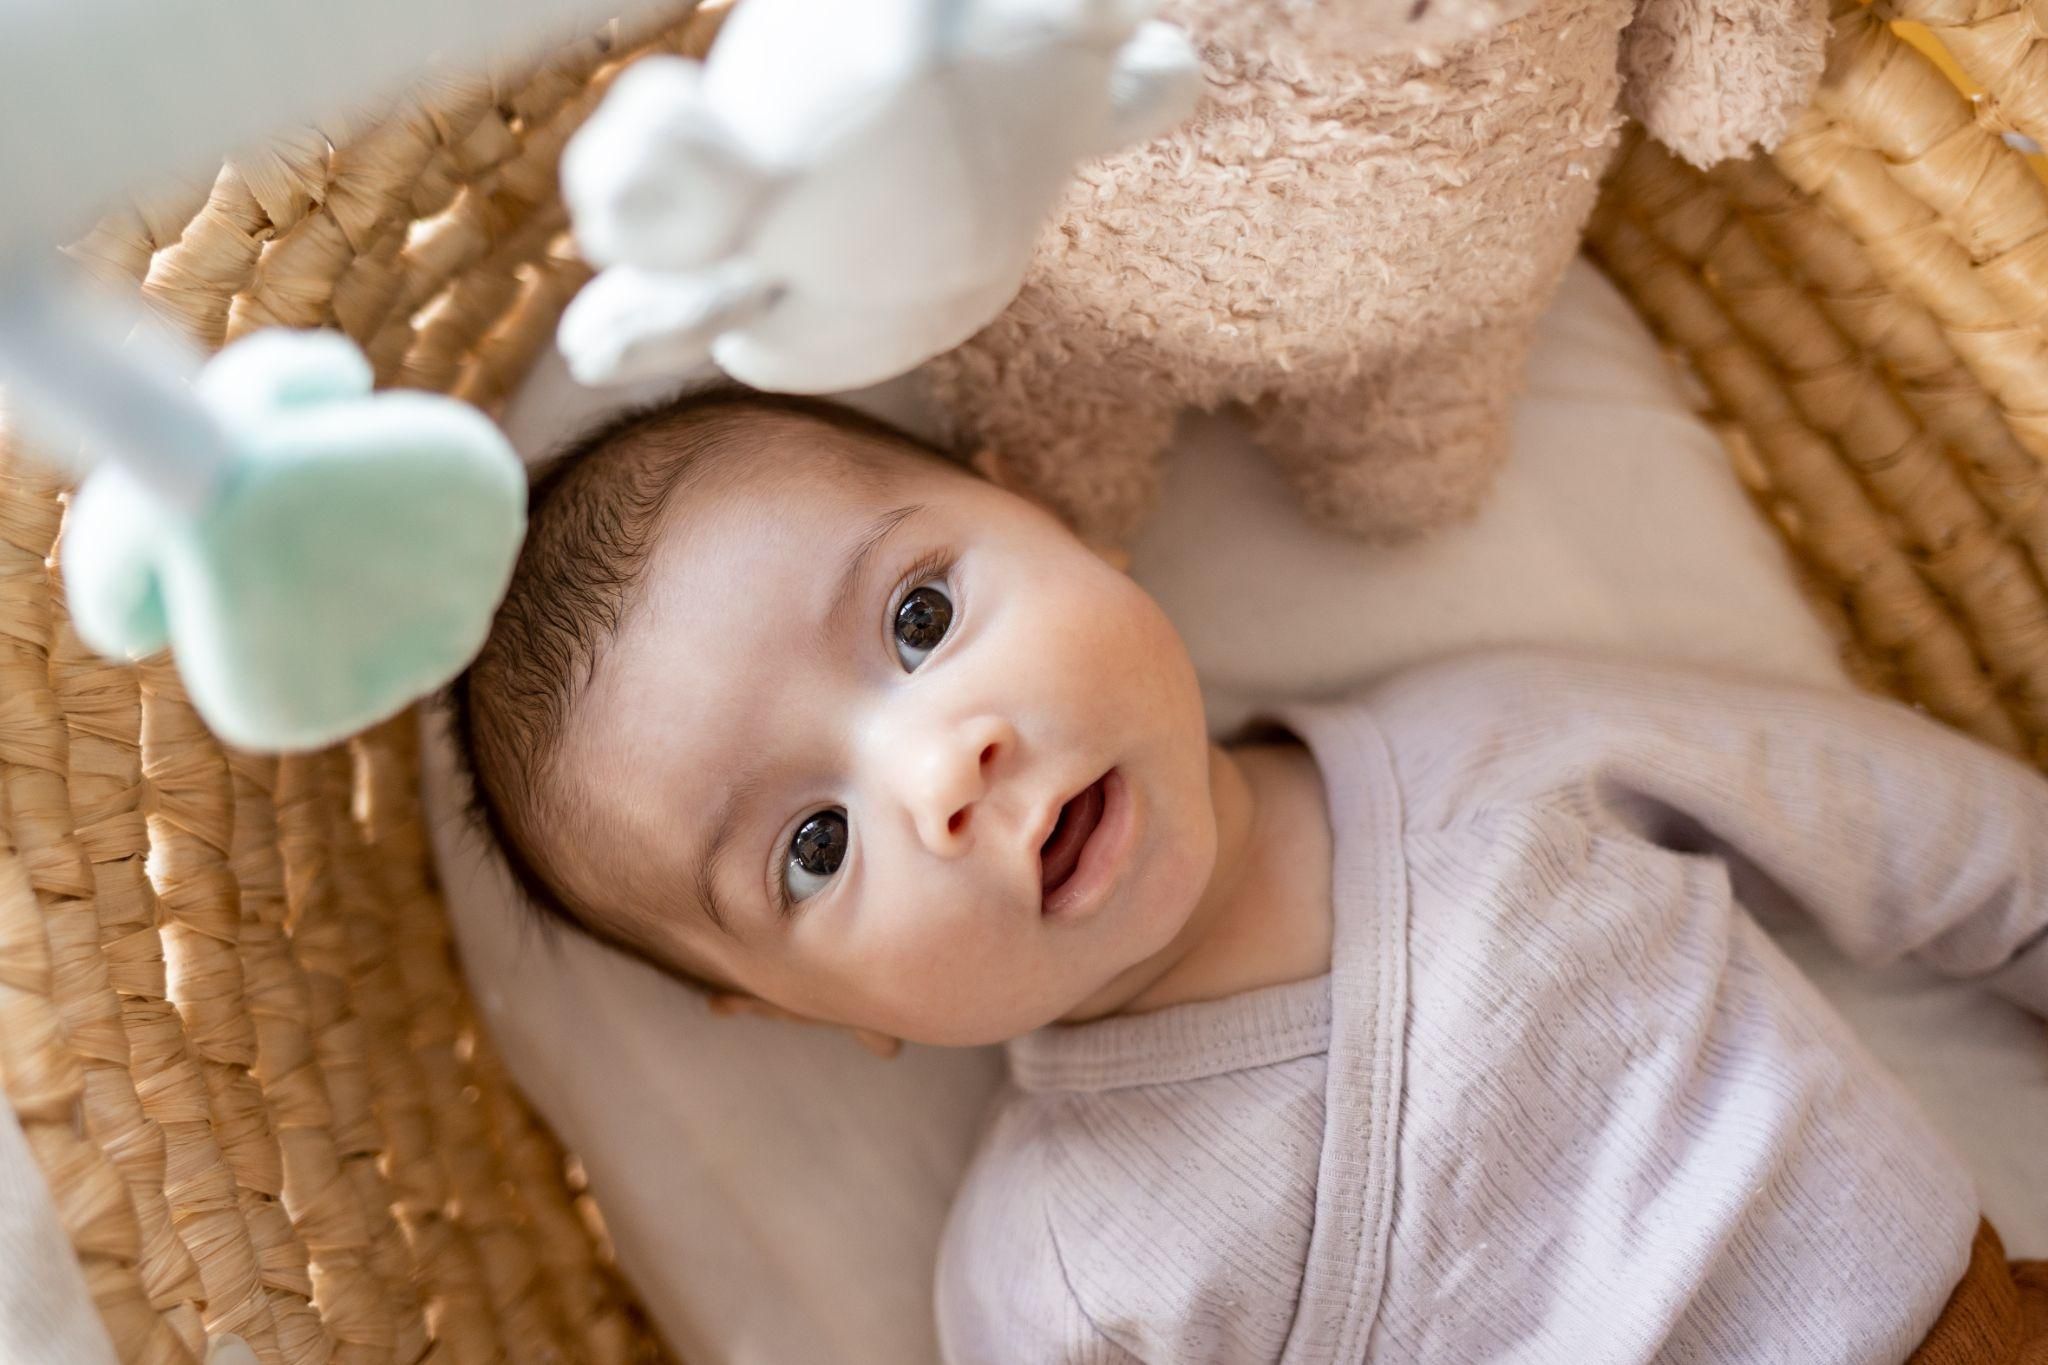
1350, 241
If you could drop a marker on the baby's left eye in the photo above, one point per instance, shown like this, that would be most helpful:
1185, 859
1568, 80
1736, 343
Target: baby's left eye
815, 852
921, 622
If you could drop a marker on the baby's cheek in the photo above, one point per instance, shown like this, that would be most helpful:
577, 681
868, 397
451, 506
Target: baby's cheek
1144, 644
951, 979
948, 948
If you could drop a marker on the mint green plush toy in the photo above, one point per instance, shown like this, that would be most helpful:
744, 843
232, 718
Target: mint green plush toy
341, 558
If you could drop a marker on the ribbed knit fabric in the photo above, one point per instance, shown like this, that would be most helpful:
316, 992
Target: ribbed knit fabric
1559, 1098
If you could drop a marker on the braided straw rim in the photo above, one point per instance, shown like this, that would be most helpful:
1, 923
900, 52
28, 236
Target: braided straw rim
1864, 309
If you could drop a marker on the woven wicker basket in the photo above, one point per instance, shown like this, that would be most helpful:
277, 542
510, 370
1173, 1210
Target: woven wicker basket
230, 1020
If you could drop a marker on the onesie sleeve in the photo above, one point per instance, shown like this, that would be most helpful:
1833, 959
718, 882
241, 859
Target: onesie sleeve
1147, 1194
1897, 834
1001, 1294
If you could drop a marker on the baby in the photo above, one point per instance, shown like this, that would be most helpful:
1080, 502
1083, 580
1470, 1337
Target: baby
1425, 1026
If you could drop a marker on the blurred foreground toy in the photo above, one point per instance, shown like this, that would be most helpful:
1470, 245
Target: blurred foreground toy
842, 191
317, 556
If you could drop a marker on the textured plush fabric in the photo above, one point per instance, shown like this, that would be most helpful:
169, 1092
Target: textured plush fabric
1559, 1098
1351, 241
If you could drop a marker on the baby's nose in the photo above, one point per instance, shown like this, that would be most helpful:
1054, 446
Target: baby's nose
955, 775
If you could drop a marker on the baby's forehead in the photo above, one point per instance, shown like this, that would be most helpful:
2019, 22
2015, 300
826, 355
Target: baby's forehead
759, 537
794, 453
784, 471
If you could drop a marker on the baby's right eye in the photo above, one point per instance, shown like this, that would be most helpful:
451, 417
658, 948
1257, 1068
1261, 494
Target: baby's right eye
815, 852
921, 622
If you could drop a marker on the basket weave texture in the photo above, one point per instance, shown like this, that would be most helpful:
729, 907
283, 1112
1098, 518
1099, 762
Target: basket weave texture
230, 1018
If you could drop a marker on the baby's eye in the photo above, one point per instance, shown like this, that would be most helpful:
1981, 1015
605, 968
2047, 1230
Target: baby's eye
815, 852
921, 622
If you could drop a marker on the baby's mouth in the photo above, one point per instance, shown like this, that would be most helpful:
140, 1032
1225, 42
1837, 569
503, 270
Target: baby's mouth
1060, 854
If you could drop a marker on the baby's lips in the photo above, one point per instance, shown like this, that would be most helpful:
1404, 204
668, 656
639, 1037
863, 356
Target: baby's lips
1078, 820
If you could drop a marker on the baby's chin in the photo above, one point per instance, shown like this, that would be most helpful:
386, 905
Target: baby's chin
1150, 943
1080, 992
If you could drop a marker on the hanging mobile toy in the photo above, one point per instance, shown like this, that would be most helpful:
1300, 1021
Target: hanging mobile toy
317, 556
842, 191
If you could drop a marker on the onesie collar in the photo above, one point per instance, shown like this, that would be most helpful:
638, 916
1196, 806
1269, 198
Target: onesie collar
1179, 1043
1354, 1219
1354, 1014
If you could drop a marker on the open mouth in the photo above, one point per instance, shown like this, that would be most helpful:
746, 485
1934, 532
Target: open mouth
1061, 852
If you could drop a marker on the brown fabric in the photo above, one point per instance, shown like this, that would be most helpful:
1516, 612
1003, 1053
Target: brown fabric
1998, 1314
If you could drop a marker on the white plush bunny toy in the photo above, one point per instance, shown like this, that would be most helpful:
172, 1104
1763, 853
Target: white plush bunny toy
845, 190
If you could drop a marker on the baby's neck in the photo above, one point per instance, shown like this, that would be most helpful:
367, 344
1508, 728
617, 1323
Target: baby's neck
1265, 918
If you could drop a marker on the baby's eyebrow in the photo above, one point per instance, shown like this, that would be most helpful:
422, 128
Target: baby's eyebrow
863, 550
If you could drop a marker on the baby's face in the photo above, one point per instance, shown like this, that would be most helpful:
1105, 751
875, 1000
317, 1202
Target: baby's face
941, 769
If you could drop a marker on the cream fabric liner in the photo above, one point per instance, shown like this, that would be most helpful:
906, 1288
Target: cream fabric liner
45, 1313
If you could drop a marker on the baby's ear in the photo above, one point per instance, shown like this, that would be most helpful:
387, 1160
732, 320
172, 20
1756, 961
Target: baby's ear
993, 467
881, 1044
